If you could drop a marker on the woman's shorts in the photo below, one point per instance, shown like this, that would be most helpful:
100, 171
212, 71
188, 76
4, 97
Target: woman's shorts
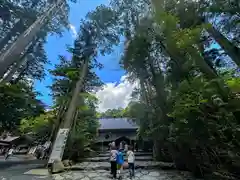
119, 166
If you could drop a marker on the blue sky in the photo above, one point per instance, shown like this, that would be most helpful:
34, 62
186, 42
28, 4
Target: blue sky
57, 46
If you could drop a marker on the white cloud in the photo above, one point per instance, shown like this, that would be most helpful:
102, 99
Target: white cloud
73, 30
115, 95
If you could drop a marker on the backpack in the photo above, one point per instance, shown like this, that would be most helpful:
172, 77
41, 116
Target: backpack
120, 159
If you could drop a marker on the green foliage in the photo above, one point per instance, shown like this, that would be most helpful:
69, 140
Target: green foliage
234, 84
17, 102
202, 120
41, 126
112, 113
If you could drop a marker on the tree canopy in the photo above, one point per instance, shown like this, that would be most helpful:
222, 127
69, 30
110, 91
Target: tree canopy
17, 102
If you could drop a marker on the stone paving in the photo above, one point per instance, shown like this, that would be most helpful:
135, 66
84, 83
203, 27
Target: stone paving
98, 168
138, 164
139, 175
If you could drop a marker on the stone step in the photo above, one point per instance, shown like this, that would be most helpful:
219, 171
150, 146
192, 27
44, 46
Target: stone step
106, 159
106, 154
138, 165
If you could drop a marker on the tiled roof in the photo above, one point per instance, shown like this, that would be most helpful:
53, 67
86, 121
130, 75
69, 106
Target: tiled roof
3, 144
116, 123
9, 138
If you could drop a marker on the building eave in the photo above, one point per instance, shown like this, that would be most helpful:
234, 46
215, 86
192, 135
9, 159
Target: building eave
117, 130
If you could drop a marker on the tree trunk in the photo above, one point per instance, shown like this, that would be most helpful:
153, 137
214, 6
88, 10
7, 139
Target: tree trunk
58, 121
11, 55
72, 106
158, 84
156, 4
22, 72
18, 28
143, 93
229, 47
203, 66
69, 115
13, 70
74, 123
18, 64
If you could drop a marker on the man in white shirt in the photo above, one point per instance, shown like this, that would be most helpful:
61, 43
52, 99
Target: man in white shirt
131, 160
112, 144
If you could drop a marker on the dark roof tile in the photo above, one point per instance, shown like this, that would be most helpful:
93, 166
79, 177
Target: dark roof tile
116, 123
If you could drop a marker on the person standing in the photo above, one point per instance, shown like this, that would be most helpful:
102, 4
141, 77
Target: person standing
114, 144
44, 148
131, 160
42, 152
113, 161
121, 145
120, 162
110, 146
125, 148
136, 146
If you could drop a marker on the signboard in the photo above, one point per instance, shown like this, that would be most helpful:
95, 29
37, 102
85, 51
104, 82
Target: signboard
59, 145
